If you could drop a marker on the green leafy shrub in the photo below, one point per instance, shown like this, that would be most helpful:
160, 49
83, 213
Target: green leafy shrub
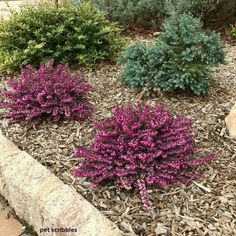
197, 7
180, 59
150, 13
207, 10
67, 34
234, 32
131, 13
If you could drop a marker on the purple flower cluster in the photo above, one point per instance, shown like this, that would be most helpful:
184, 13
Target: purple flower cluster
47, 93
140, 147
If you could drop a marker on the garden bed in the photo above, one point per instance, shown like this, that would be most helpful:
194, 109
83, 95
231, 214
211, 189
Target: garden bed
199, 209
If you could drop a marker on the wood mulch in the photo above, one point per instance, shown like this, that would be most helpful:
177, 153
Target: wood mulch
203, 208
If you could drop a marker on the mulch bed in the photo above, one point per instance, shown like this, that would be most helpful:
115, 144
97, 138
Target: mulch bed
203, 208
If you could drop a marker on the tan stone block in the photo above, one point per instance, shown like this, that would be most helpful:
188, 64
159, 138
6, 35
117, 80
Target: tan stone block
25, 180
44, 201
72, 210
7, 148
230, 121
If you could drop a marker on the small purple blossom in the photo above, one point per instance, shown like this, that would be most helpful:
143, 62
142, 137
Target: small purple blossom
47, 93
140, 147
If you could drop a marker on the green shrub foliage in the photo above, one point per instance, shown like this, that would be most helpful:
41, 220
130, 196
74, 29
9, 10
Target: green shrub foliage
136, 73
150, 13
197, 7
180, 59
234, 32
207, 10
132, 13
68, 34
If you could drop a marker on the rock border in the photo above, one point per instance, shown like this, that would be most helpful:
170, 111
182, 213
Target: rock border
44, 201
230, 121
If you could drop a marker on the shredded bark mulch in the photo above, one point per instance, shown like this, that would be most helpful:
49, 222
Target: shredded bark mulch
203, 208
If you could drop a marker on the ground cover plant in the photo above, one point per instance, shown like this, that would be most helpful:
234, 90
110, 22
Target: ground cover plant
140, 147
180, 59
51, 93
68, 34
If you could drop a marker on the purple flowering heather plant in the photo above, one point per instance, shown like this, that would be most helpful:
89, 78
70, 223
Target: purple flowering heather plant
47, 93
141, 147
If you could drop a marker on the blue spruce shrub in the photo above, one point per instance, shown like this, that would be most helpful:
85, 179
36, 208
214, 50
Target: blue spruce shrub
136, 70
180, 59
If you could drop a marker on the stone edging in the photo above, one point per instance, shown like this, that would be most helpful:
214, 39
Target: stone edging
44, 201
